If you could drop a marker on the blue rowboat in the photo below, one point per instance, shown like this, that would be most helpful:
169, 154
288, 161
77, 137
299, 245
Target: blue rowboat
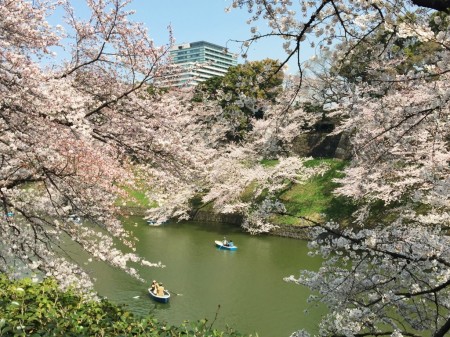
75, 218
220, 245
161, 299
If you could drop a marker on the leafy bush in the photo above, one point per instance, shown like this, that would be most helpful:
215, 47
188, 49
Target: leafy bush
40, 309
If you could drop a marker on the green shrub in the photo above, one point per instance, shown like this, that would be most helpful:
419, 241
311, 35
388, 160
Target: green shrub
42, 309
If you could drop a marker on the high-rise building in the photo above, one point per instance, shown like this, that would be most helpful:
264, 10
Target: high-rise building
195, 62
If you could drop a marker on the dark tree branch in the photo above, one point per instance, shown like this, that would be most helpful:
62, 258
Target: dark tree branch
443, 330
439, 5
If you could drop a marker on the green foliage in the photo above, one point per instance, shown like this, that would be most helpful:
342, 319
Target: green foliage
135, 198
257, 79
416, 54
315, 199
41, 309
439, 22
269, 162
155, 91
313, 108
208, 89
240, 90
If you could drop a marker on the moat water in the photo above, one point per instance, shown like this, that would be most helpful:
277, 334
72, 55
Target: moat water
243, 289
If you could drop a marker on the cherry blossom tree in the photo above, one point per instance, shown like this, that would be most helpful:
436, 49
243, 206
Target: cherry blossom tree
73, 126
388, 276
77, 127
228, 172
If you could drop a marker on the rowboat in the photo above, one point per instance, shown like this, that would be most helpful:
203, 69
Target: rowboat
161, 299
75, 218
220, 245
152, 222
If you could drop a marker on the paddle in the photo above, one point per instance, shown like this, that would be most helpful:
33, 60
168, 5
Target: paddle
177, 294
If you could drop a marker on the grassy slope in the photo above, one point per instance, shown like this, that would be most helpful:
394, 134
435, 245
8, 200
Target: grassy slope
314, 199
135, 198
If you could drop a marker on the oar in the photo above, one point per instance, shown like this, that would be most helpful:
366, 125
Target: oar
177, 294
170, 291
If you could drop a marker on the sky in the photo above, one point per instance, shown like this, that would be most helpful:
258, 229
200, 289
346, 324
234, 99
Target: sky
206, 20
201, 20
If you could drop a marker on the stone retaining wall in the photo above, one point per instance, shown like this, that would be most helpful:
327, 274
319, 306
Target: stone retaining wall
289, 231
205, 216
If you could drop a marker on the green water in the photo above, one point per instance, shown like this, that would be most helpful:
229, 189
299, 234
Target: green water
247, 284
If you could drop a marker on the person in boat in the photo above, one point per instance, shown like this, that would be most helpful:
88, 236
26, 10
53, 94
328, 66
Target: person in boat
225, 241
154, 286
160, 290
230, 243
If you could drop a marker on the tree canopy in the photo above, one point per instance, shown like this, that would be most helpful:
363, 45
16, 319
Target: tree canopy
242, 93
76, 132
389, 278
